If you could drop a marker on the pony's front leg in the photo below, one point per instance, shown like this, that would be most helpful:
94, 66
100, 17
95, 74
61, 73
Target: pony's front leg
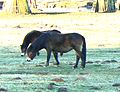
56, 57
48, 57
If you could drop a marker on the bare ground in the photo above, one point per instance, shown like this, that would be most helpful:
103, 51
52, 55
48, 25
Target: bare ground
100, 29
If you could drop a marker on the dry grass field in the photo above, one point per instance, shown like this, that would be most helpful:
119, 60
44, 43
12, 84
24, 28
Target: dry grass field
99, 29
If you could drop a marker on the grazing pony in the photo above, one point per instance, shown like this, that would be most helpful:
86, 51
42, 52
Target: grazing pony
59, 43
31, 37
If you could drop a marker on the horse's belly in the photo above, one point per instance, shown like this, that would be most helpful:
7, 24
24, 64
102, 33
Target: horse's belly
63, 49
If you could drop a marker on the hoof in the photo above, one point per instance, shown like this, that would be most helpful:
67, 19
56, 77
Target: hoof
74, 67
83, 67
56, 63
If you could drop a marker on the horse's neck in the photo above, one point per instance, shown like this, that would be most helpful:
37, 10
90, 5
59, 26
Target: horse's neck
39, 44
26, 43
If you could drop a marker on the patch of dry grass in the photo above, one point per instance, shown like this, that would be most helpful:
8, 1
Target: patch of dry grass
99, 29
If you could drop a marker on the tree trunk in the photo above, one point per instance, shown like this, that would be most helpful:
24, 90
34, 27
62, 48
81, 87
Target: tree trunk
102, 6
110, 5
105, 6
118, 3
21, 7
97, 6
16, 7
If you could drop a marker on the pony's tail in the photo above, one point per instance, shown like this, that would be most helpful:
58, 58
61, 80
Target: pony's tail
84, 53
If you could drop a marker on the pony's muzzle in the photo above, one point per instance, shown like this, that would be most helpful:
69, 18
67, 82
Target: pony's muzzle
28, 59
22, 54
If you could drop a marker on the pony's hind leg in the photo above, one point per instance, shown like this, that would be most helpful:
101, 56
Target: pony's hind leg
82, 63
78, 56
77, 61
56, 57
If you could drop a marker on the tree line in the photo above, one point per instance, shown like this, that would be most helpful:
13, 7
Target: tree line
23, 6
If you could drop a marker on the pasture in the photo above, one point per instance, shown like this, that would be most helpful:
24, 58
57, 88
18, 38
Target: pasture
102, 72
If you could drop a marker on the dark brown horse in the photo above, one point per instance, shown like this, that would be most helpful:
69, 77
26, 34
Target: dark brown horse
31, 37
59, 43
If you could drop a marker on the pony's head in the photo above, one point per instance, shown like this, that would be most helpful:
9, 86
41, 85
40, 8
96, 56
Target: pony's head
23, 50
31, 53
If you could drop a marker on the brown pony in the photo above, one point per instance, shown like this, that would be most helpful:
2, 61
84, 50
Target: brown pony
59, 43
